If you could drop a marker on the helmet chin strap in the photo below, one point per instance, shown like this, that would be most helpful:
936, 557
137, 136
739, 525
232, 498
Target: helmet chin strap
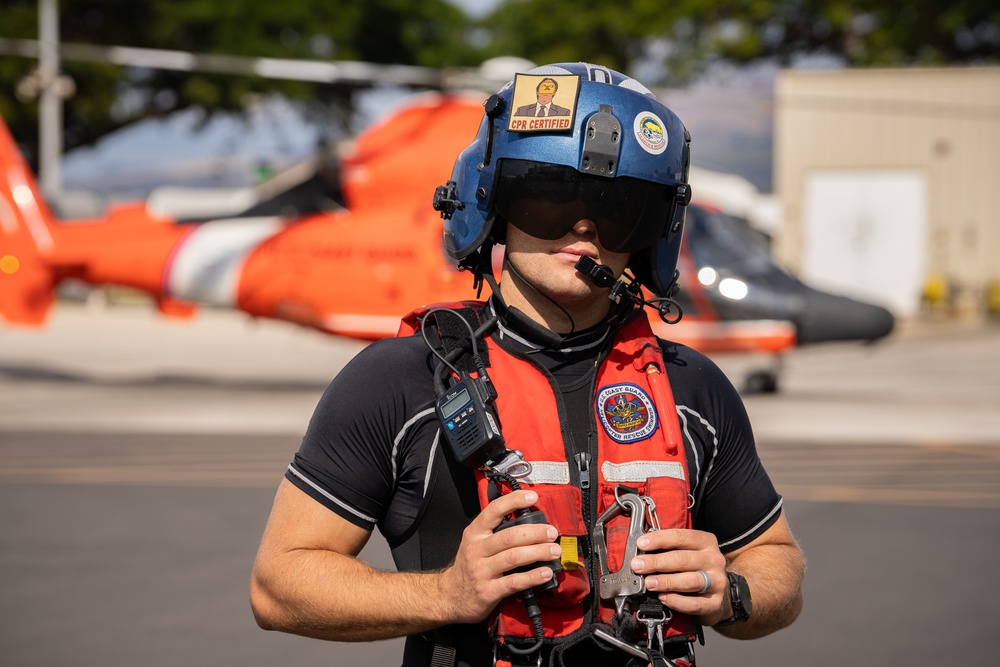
626, 295
518, 313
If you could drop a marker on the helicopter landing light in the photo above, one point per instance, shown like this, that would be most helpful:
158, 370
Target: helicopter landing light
707, 276
734, 289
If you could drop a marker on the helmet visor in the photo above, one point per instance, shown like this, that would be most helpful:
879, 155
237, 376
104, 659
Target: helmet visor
546, 201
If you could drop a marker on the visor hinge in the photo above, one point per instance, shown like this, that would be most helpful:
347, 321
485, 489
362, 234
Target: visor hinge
446, 199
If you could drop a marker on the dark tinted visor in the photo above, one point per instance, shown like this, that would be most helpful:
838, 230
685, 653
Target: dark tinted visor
546, 201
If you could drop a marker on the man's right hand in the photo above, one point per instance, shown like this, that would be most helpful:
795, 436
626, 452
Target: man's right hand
477, 581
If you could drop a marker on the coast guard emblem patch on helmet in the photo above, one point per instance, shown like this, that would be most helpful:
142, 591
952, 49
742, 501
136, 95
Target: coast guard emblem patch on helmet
544, 103
650, 132
626, 412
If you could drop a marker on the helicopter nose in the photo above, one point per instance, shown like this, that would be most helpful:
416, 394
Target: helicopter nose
830, 317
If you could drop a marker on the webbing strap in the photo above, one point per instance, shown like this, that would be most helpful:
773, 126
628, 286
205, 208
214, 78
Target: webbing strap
444, 653
454, 334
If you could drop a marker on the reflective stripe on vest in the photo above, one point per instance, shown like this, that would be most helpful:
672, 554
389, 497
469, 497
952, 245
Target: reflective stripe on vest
638, 444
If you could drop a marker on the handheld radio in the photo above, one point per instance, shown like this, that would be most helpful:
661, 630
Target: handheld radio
470, 427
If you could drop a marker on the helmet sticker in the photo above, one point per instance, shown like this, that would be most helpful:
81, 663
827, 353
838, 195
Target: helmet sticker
544, 103
626, 412
650, 132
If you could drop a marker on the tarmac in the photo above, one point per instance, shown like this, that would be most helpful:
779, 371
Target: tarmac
139, 456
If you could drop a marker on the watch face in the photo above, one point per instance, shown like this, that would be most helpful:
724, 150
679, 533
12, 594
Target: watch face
739, 597
745, 602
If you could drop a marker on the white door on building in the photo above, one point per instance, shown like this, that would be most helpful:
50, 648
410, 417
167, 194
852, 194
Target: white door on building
865, 235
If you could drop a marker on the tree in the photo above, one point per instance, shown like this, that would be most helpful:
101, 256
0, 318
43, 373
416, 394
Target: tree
685, 35
676, 39
430, 33
865, 32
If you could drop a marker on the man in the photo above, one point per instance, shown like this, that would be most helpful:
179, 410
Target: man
628, 507
543, 106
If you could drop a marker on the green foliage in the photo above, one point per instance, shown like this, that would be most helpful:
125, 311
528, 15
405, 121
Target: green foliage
429, 33
684, 35
677, 39
590, 30
867, 32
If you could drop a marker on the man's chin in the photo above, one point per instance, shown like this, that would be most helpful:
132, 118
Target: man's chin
579, 292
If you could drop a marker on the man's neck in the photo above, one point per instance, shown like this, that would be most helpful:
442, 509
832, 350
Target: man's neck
530, 337
539, 309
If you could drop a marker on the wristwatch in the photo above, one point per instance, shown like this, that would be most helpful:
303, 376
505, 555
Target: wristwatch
739, 598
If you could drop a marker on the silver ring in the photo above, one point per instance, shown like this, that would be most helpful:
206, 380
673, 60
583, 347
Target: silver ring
708, 581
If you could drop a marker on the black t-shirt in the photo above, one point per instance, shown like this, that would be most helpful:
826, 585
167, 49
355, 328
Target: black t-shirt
372, 451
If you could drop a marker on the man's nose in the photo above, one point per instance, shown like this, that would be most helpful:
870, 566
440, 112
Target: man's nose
585, 226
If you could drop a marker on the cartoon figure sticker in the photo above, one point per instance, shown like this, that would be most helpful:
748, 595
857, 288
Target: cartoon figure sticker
626, 412
543, 103
650, 132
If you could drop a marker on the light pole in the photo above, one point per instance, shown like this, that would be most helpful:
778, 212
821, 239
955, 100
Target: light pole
50, 111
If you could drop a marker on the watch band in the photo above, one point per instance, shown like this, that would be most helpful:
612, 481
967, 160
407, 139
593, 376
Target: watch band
739, 599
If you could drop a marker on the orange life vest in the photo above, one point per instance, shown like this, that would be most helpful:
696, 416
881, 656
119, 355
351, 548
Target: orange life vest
639, 445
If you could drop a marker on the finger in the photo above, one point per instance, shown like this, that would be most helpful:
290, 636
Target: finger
708, 558
690, 583
495, 511
521, 535
516, 582
677, 538
695, 605
524, 557
672, 561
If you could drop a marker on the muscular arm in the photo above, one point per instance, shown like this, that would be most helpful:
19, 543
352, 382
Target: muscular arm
774, 567
740, 507
772, 564
307, 580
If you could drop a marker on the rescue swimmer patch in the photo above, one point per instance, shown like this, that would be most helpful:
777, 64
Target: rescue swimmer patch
543, 103
650, 132
627, 413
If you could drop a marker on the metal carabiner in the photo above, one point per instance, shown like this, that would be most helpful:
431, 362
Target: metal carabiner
623, 584
654, 620
651, 515
511, 463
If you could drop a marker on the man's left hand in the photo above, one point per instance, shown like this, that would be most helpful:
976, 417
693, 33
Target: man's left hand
673, 564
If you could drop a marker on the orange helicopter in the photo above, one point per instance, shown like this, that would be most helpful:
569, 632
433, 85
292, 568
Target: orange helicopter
354, 270
350, 272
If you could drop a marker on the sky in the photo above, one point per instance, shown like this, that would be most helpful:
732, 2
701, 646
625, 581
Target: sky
476, 8
182, 150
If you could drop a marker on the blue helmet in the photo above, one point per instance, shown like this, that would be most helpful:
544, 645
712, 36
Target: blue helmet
602, 141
